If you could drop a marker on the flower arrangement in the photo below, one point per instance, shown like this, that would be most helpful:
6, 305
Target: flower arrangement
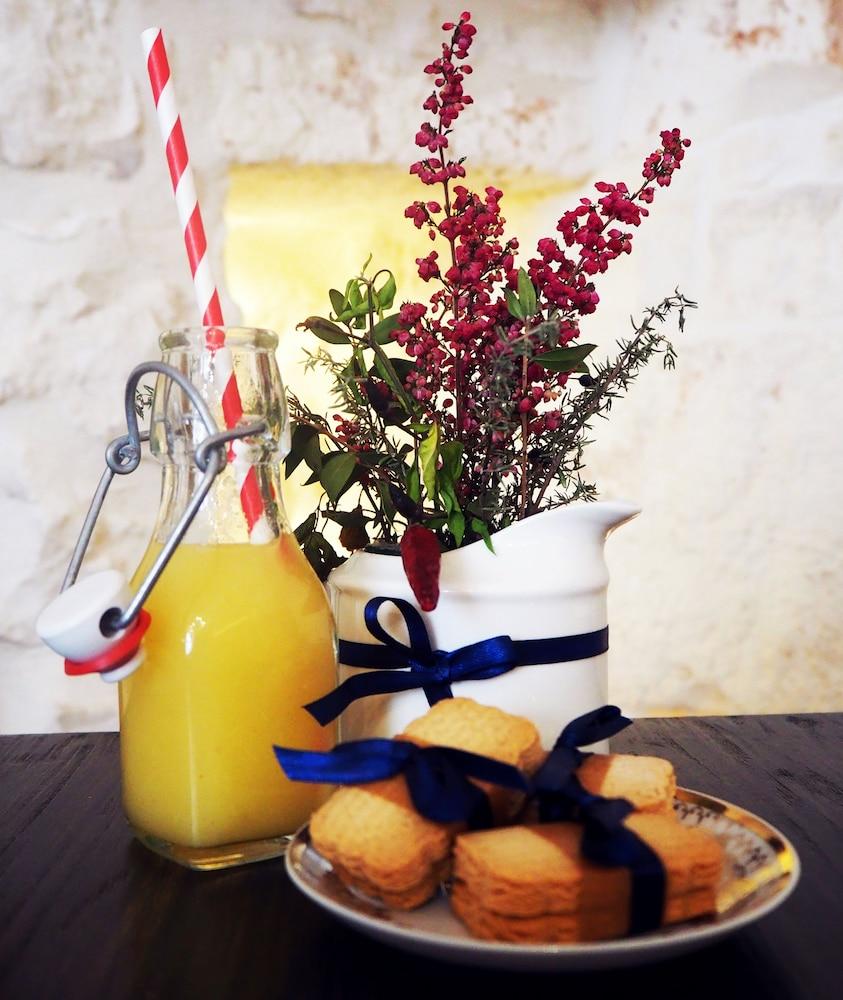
483, 416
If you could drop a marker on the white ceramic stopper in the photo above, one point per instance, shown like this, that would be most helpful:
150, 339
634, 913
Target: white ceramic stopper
122, 672
70, 625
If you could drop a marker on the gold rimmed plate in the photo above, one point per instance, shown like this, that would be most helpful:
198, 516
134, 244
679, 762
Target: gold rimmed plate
761, 871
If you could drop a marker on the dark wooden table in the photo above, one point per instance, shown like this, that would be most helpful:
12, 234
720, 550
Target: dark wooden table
87, 912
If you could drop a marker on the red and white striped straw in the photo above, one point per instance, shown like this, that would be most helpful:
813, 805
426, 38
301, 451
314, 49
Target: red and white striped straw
181, 174
207, 298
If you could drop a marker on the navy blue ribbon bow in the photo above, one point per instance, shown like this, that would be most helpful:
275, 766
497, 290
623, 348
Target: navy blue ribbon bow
437, 777
606, 841
435, 670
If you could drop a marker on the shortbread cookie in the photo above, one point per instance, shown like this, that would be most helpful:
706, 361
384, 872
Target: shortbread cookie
649, 783
372, 834
482, 729
531, 883
378, 843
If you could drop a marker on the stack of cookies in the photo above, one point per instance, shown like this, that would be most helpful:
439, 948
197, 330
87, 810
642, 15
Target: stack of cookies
373, 836
531, 883
521, 880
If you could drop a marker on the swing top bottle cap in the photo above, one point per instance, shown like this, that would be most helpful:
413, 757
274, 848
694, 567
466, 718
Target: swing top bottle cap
70, 624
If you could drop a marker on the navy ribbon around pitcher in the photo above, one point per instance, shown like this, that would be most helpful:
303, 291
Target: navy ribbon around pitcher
434, 670
606, 841
438, 778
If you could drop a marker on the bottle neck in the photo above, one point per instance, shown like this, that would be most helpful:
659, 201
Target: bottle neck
222, 518
235, 373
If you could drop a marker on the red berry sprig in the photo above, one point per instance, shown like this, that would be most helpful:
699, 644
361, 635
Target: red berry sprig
455, 338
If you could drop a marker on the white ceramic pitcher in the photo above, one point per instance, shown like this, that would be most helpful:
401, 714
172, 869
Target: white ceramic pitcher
546, 578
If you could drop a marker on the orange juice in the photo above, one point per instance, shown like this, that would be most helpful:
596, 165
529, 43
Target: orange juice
241, 638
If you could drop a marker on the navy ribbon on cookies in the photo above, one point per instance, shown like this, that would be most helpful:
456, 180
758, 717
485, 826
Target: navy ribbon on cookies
434, 670
606, 841
438, 778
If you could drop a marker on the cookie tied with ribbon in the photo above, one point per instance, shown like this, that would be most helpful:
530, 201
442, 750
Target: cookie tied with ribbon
532, 884
605, 840
389, 829
592, 868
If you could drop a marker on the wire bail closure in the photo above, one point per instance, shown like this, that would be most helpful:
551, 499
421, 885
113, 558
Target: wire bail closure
123, 456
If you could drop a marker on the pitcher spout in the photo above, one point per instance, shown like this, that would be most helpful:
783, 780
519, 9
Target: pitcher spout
606, 515
555, 531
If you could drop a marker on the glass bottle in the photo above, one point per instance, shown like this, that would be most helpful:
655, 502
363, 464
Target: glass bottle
241, 634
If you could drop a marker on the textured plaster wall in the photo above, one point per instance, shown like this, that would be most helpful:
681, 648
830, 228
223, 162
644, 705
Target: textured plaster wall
726, 593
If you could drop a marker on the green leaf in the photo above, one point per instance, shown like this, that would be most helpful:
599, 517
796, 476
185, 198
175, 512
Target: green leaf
312, 454
448, 474
451, 453
428, 455
321, 555
361, 362
352, 293
337, 470
402, 367
325, 330
397, 412
482, 529
338, 302
299, 440
456, 525
305, 529
371, 459
393, 413
361, 311
413, 484
526, 293
349, 382
513, 303
386, 500
385, 296
449, 497
565, 359
347, 518
382, 333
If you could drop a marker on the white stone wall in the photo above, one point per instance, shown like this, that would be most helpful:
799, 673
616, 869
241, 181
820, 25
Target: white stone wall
726, 593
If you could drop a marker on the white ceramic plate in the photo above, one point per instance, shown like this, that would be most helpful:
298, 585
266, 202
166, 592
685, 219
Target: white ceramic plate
761, 871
